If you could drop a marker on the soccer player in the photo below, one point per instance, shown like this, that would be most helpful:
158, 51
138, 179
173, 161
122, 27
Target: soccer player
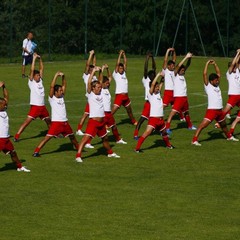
156, 121
59, 124
215, 104
168, 70
37, 94
27, 52
180, 94
148, 76
91, 62
5, 143
109, 118
121, 97
96, 123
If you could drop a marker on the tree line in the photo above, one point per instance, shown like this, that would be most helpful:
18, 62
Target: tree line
74, 26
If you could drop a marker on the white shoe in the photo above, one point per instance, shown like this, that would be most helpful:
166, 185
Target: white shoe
114, 155
192, 128
228, 116
79, 160
121, 141
88, 145
182, 120
107, 131
232, 138
196, 143
79, 133
23, 169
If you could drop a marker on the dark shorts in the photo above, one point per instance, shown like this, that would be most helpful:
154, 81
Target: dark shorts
27, 60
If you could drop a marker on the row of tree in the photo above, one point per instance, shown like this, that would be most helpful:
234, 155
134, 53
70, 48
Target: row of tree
74, 26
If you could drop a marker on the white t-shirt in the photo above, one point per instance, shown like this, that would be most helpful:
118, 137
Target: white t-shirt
145, 82
156, 105
121, 82
96, 108
214, 96
180, 86
168, 79
233, 82
36, 92
58, 109
106, 99
85, 79
4, 125
27, 43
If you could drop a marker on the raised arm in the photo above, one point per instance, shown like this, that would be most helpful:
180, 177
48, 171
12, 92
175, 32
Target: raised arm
124, 61
151, 90
89, 86
234, 62
35, 56
5, 91
120, 55
205, 77
57, 74
165, 61
145, 72
105, 66
40, 66
91, 59
188, 56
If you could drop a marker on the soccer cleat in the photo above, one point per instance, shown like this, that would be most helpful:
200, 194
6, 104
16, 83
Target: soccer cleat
196, 143
113, 155
15, 139
79, 160
182, 120
232, 138
136, 138
88, 145
79, 133
135, 123
170, 147
23, 169
217, 125
192, 128
228, 116
138, 151
121, 141
36, 154
168, 130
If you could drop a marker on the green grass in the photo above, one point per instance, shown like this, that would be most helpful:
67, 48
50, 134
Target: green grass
186, 193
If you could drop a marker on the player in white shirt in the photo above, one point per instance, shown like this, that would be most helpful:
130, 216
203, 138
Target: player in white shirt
96, 123
106, 95
215, 104
121, 92
27, 53
5, 143
37, 98
59, 124
168, 70
180, 94
148, 76
90, 63
156, 120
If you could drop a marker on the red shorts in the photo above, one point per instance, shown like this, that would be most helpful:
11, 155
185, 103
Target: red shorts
38, 111
180, 104
109, 119
57, 128
96, 128
86, 108
122, 100
234, 100
157, 123
146, 110
168, 97
6, 145
214, 114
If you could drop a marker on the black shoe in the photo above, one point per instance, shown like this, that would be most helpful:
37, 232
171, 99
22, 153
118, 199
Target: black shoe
36, 154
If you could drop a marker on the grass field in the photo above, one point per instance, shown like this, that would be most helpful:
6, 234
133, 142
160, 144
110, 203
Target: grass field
185, 193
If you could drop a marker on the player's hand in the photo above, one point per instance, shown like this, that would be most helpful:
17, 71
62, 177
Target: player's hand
1, 84
189, 55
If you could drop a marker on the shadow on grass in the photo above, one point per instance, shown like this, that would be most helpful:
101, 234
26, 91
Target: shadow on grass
124, 121
10, 166
214, 135
157, 143
41, 134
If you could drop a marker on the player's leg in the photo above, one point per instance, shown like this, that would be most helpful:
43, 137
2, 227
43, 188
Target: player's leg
27, 121
205, 122
73, 140
130, 114
17, 162
146, 133
41, 145
234, 123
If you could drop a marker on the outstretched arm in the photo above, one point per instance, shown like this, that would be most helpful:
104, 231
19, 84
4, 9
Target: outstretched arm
5, 91
105, 66
119, 60
35, 56
145, 72
188, 56
205, 77
40, 66
124, 61
151, 90
57, 74
234, 62
91, 58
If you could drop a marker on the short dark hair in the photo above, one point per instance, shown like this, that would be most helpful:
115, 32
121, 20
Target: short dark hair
150, 84
105, 79
212, 76
170, 62
56, 87
91, 66
120, 65
35, 72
